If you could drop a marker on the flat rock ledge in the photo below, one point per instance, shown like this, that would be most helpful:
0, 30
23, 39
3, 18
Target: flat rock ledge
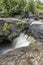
31, 55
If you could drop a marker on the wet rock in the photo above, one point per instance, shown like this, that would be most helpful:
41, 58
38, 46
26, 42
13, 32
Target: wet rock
10, 29
31, 55
34, 28
37, 31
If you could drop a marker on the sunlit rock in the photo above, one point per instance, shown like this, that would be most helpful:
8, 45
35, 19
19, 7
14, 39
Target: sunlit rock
30, 55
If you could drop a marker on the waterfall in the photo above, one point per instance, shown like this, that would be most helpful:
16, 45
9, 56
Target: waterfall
22, 40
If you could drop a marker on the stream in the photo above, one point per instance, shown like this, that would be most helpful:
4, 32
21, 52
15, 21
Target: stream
21, 41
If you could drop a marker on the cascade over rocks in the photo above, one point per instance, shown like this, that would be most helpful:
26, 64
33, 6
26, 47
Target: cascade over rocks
11, 28
30, 55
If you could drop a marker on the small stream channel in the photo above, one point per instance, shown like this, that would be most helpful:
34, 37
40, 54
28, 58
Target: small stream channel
21, 41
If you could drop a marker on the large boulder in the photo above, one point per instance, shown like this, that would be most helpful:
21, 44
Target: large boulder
36, 29
10, 29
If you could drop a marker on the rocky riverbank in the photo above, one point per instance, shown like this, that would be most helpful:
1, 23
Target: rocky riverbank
11, 28
31, 55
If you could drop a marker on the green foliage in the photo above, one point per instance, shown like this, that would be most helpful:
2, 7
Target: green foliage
8, 8
5, 27
32, 6
26, 8
12, 6
10, 37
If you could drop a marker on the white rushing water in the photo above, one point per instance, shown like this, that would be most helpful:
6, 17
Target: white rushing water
22, 41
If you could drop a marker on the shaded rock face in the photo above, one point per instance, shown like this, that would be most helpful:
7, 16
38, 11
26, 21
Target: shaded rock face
32, 55
1, 33
37, 31
35, 28
9, 30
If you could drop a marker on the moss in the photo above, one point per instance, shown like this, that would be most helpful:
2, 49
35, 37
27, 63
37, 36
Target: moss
21, 22
11, 36
19, 30
8, 31
5, 27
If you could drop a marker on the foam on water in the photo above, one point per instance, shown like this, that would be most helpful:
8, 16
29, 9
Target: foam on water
22, 41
